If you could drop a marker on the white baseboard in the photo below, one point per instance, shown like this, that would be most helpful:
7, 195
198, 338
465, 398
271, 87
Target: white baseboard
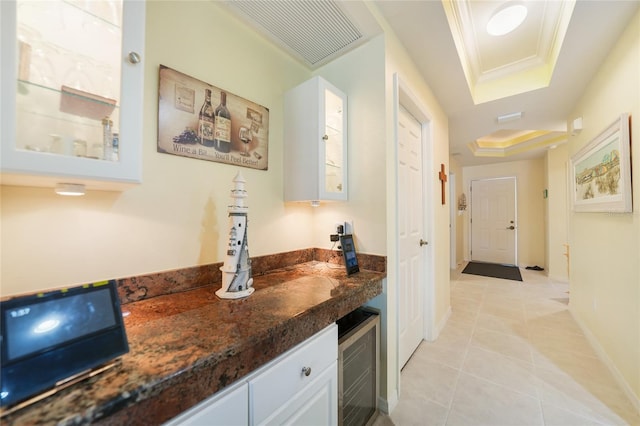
432, 333
388, 405
440, 326
619, 378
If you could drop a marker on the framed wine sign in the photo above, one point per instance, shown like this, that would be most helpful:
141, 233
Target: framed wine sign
198, 120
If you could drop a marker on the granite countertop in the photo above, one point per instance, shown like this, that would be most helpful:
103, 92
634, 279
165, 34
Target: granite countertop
186, 346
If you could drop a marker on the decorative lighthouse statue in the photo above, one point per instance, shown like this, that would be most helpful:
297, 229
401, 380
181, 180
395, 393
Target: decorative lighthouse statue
236, 271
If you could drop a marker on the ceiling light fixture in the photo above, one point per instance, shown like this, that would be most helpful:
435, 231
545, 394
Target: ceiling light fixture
506, 19
71, 189
509, 117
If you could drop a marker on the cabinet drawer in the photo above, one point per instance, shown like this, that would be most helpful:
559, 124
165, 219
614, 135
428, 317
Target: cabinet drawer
285, 377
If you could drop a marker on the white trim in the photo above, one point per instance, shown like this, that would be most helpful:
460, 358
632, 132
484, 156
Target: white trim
602, 354
453, 210
388, 405
396, 244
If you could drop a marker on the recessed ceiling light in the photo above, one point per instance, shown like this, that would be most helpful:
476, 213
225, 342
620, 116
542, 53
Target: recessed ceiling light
506, 19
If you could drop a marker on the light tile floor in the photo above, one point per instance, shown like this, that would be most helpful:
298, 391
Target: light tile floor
510, 354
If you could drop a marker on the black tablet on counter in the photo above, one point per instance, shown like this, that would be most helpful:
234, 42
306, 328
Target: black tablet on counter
349, 253
49, 339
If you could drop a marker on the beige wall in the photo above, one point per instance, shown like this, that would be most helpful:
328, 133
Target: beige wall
437, 229
398, 63
605, 248
556, 214
360, 73
530, 184
176, 217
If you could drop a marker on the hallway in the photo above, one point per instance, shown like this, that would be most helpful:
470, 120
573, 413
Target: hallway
510, 354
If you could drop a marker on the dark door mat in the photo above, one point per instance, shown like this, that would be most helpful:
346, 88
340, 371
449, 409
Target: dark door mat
493, 270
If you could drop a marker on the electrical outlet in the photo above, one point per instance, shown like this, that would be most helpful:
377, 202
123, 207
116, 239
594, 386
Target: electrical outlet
348, 227
343, 228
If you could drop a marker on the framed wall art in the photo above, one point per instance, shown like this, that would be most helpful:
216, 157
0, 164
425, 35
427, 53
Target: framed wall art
600, 172
198, 120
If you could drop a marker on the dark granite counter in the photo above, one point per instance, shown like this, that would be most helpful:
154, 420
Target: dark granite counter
186, 346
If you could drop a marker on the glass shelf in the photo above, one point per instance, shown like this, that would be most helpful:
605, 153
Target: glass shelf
43, 113
74, 104
51, 54
67, 84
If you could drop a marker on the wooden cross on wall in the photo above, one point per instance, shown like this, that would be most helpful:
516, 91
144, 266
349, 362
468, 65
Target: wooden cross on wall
443, 179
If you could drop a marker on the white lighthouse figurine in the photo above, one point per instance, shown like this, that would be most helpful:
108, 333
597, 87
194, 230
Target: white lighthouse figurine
236, 272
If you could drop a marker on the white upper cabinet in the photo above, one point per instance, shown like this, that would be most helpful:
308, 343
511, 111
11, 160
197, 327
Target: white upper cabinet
72, 92
315, 142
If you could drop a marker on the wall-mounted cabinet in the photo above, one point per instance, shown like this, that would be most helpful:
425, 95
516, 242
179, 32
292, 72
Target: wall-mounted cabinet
315, 142
72, 92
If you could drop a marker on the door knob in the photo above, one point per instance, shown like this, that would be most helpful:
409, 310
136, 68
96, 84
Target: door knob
134, 58
423, 242
511, 227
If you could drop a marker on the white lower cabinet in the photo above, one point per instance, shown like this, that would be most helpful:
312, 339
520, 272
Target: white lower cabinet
315, 404
289, 386
298, 387
228, 407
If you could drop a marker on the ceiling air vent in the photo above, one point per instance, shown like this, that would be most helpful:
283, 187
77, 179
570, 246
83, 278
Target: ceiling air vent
313, 31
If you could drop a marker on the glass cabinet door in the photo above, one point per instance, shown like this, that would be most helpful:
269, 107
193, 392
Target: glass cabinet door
334, 143
69, 68
72, 92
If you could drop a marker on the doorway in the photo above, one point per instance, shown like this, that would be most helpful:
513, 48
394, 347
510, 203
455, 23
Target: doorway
410, 235
413, 217
494, 221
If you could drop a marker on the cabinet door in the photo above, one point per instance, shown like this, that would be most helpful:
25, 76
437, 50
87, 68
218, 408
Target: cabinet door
277, 389
226, 408
65, 80
316, 404
315, 142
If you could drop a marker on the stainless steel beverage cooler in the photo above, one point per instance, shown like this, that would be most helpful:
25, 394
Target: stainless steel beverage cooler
358, 365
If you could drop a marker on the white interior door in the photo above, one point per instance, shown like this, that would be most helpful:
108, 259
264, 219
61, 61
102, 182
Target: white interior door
493, 220
411, 234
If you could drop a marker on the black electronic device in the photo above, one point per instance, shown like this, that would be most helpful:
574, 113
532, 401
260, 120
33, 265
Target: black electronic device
48, 338
349, 253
